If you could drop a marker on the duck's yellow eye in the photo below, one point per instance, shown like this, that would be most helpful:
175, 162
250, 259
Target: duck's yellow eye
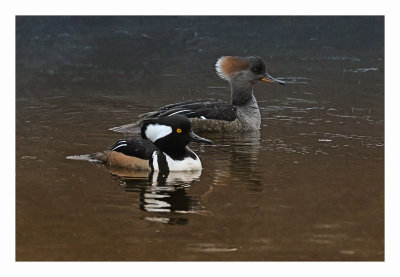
179, 131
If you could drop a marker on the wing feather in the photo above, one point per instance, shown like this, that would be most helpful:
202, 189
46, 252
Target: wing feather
140, 148
204, 109
201, 109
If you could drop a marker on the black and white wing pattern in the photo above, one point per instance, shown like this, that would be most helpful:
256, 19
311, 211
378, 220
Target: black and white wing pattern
203, 109
139, 148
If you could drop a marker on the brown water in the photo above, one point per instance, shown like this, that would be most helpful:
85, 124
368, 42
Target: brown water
308, 186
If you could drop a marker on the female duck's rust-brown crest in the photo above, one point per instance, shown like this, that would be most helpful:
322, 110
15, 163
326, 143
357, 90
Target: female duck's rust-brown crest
227, 65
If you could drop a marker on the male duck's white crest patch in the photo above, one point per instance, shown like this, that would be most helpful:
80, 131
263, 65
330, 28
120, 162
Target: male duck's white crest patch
227, 65
155, 131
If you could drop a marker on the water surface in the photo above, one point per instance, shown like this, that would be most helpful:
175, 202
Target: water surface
308, 186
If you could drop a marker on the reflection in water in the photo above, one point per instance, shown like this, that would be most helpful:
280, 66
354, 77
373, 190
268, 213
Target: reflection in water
166, 197
241, 160
164, 193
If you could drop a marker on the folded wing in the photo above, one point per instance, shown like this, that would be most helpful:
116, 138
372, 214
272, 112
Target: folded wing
139, 148
203, 109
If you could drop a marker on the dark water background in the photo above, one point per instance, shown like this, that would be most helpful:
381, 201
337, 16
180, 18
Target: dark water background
308, 186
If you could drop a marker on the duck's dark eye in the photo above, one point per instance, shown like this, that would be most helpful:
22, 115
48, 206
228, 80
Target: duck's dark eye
256, 70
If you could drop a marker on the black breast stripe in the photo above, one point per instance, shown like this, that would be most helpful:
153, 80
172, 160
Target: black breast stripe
162, 162
151, 164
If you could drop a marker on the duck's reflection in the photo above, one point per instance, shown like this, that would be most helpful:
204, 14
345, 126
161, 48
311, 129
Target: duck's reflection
239, 161
162, 194
165, 196
168, 193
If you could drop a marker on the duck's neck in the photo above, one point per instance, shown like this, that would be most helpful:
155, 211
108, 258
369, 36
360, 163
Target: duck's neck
241, 92
178, 153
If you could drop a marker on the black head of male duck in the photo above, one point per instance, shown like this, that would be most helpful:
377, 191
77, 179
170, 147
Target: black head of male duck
241, 114
163, 146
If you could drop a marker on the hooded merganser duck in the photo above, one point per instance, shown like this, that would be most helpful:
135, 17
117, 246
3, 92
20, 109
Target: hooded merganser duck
163, 147
242, 114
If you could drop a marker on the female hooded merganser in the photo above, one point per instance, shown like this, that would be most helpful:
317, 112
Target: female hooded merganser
242, 114
163, 147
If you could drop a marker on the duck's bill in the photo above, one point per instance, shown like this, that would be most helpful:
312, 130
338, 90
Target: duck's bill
270, 79
196, 138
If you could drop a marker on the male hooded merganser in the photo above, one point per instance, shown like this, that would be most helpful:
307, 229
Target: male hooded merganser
242, 114
163, 147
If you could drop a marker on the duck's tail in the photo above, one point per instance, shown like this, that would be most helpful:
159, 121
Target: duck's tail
96, 157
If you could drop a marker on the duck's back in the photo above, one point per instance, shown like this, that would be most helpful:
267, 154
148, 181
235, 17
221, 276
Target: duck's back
128, 153
206, 115
202, 109
212, 115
